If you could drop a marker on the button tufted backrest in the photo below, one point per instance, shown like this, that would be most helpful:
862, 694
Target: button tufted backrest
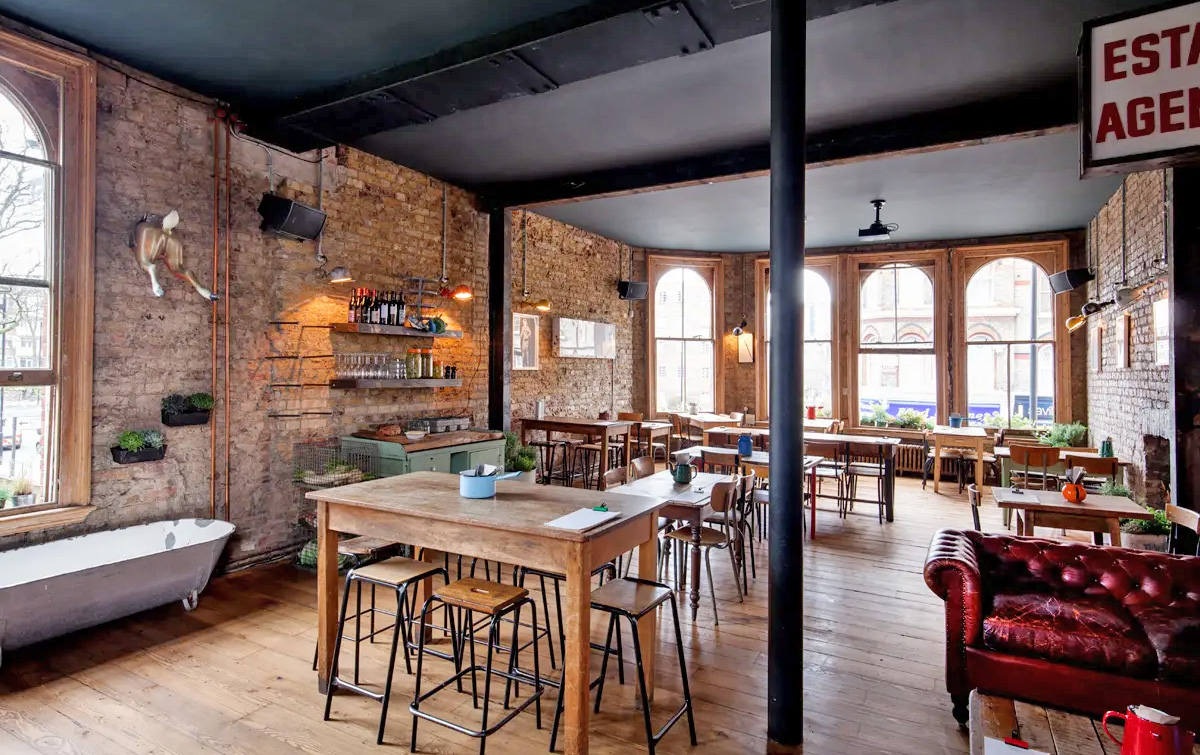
1133, 577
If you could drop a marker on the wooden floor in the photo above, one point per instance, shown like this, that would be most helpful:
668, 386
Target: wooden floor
234, 678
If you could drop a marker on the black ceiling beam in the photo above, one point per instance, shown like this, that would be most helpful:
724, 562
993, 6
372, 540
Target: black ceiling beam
1049, 108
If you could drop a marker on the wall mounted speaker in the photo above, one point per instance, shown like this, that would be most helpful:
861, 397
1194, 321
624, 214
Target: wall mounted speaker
634, 290
1069, 280
291, 219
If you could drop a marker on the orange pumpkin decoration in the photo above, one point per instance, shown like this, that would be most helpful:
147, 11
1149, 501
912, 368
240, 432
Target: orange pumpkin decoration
1074, 493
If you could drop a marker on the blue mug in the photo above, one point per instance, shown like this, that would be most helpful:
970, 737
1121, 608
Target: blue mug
745, 444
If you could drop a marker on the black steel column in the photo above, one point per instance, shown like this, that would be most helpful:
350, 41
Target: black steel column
1185, 335
785, 669
500, 320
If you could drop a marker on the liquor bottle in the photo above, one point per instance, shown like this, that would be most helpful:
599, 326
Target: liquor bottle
381, 309
350, 307
394, 310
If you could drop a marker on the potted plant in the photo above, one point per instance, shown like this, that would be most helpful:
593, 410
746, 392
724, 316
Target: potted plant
22, 492
1146, 534
911, 419
179, 410
139, 445
519, 458
1065, 436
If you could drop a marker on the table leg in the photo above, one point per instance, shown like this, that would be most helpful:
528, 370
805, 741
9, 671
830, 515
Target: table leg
425, 587
812, 498
1114, 532
327, 595
602, 467
648, 624
937, 463
979, 468
629, 446
577, 615
889, 488
694, 577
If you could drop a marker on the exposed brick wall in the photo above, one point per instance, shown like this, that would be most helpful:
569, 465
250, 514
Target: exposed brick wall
741, 385
578, 272
1134, 403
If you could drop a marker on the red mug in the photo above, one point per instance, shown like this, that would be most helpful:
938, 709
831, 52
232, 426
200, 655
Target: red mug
1151, 732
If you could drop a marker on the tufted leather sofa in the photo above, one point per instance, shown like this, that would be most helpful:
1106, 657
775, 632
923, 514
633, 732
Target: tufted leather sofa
1075, 626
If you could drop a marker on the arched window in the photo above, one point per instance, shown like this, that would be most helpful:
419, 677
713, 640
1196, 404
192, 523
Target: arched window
818, 341
896, 368
1010, 344
684, 337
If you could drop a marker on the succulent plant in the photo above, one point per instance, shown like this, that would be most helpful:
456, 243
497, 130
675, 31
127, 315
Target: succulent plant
153, 438
202, 402
131, 441
176, 403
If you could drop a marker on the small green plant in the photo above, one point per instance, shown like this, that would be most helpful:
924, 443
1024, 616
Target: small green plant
5, 494
201, 402
1112, 487
131, 441
1013, 422
1065, 436
877, 415
176, 403
913, 419
1159, 525
518, 458
22, 486
153, 438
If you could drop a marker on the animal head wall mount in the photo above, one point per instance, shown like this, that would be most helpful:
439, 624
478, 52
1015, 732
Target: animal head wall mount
153, 239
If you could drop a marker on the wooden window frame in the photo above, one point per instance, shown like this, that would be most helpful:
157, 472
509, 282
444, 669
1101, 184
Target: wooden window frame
828, 267
72, 289
714, 270
1052, 257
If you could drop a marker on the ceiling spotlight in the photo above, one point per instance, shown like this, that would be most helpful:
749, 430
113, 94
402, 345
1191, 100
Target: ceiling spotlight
740, 328
542, 305
463, 293
877, 231
340, 274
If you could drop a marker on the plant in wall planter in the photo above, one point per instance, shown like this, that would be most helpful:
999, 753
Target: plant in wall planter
22, 492
139, 445
179, 410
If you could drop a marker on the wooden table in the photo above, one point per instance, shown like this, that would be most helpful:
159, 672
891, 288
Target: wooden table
1045, 729
688, 504
754, 432
424, 509
1096, 514
1004, 455
707, 420
605, 429
891, 447
649, 430
974, 438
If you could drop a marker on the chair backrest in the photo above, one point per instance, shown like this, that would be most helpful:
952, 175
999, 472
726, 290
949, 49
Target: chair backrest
737, 416
825, 450
615, 477
718, 461
1035, 456
678, 426
723, 495
1103, 467
722, 440
1182, 519
750, 420
631, 416
642, 466
759, 471
973, 499
868, 453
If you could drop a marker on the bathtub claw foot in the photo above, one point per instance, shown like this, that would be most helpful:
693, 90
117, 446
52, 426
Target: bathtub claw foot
191, 601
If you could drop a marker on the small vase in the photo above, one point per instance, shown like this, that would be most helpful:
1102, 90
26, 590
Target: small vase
22, 499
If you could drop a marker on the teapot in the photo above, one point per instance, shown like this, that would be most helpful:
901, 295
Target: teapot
1151, 732
684, 473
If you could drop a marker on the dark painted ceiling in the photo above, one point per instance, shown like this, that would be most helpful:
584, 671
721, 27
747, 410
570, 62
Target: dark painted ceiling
1022, 186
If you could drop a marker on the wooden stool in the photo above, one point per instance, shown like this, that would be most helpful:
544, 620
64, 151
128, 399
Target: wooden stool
469, 597
604, 570
632, 599
396, 573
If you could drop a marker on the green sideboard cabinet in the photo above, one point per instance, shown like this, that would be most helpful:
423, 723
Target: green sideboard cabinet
462, 451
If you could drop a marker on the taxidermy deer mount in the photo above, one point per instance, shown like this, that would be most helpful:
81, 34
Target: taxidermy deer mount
151, 240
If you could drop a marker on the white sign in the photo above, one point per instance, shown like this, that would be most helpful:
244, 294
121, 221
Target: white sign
1141, 80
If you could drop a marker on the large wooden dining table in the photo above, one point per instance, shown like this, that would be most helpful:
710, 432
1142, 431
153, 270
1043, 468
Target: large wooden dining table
605, 430
424, 509
1047, 508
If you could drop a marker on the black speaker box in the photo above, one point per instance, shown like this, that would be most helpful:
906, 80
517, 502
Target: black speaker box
635, 290
291, 219
1069, 280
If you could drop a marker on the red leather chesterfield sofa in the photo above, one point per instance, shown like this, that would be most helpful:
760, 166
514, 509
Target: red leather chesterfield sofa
1075, 626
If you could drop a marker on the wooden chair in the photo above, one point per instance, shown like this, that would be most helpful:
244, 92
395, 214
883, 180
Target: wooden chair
1097, 471
681, 436
952, 455
969, 457
1033, 463
737, 417
642, 466
614, 478
973, 498
1182, 519
744, 500
832, 468
760, 499
723, 503
719, 462
872, 465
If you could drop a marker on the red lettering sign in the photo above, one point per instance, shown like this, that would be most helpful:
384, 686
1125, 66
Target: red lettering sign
1194, 107
1145, 54
1167, 111
1110, 123
1111, 59
1141, 116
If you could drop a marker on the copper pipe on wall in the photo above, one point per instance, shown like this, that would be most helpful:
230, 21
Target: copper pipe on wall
228, 263
212, 455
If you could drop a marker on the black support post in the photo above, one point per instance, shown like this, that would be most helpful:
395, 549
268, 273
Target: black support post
785, 644
1184, 226
500, 320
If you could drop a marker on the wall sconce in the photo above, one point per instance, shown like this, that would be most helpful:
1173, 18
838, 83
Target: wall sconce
340, 274
1089, 308
463, 292
542, 305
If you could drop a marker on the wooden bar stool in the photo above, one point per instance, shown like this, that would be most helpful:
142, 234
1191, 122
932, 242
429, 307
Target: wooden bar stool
631, 599
396, 573
492, 599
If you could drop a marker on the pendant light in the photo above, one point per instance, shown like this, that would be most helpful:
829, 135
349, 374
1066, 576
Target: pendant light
741, 329
461, 292
541, 305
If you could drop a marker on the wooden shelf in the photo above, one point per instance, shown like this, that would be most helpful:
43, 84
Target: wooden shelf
352, 384
390, 330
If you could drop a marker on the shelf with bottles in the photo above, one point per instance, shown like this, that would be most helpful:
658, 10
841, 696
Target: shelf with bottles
361, 383
391, 330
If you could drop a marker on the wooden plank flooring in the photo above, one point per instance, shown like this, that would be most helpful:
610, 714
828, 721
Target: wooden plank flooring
234, 677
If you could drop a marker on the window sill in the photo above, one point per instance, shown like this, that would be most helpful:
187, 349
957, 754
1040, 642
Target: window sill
43, 520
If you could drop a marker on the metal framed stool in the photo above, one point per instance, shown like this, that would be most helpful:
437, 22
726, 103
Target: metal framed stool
397, 574
472, 596
547, 450
608, 570
632, 599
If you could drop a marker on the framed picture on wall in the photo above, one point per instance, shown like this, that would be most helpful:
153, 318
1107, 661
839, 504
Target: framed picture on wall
1095, 348
525, 341
1162, 332
1124, 341
745, 348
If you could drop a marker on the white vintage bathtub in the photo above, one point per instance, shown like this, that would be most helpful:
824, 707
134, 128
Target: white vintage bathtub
59, 587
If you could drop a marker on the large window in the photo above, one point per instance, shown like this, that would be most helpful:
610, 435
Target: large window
1010, 331
818, 341
47, 102
897, 367
684, 366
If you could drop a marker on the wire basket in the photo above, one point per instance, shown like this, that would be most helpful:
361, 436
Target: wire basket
331, 462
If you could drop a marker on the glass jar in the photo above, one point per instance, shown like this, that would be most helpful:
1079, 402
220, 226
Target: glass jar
427, 363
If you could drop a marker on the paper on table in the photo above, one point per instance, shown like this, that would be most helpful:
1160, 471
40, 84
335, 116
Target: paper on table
1000, 747
583, 519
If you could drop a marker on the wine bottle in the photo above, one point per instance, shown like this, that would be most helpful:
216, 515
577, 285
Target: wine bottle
350, 307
